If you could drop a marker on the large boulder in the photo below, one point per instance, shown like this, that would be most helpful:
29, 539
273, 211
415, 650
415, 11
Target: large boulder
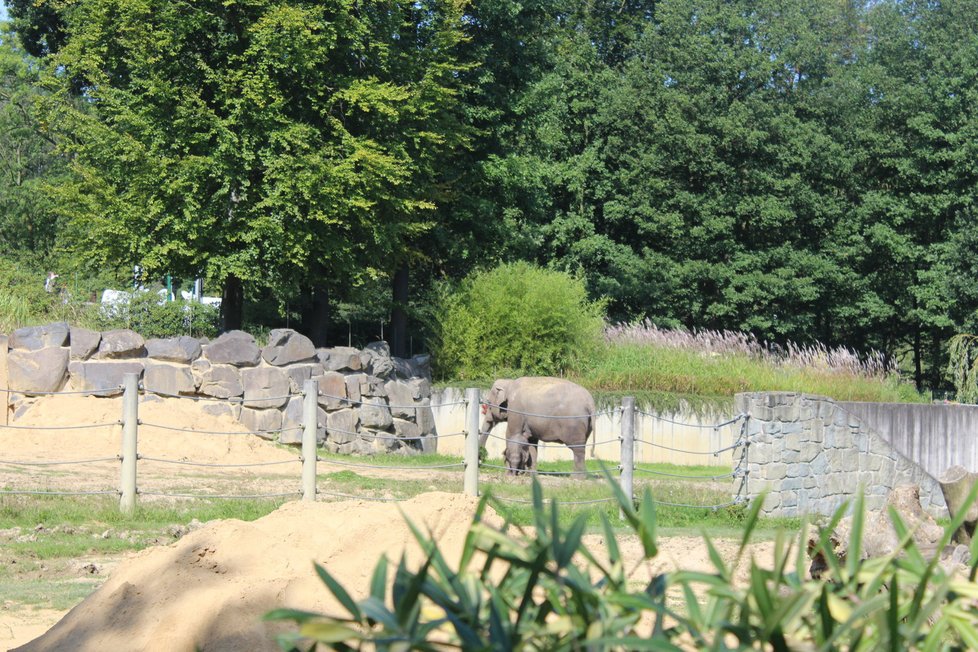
219, 380
300, 373
340, 358
265, 387
286, 346
292, 422
376, 360
102, 376
174, 349
375, 414
401, 397
425, 419
84, 343
264, 423
235, 348
353, 387
168, 379
41, 370
35, 338
418, 366
408, 431
121, 344
342, 426
332, 390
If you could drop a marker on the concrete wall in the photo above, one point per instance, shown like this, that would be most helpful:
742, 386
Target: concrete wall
683, 437
810, 454
934, 436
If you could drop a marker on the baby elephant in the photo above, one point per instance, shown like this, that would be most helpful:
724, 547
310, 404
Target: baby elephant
539, 409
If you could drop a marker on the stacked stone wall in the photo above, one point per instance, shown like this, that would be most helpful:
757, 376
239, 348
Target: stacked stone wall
368, 400
807, 454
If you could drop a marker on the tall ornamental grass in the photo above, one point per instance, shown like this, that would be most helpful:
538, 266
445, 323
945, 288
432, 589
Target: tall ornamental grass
517, 317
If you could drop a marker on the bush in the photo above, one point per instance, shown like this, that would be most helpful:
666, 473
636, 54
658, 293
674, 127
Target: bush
550, 591
147, 314
518, 318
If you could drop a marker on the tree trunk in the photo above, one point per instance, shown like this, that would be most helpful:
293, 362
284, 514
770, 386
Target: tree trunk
918, 372
232, 304
399, 317
317, 316
956, 483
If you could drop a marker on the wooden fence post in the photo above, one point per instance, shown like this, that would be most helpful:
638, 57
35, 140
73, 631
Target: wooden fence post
627, 446
130, 430
471, 477
310, 428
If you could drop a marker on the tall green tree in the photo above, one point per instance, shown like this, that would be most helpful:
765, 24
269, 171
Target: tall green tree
277, 143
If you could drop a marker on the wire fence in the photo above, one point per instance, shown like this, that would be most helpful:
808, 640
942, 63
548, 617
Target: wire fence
520, 450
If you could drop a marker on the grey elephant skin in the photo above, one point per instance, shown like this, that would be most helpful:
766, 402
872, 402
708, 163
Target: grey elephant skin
535, 409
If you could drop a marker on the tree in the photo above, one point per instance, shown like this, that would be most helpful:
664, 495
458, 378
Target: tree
272, 143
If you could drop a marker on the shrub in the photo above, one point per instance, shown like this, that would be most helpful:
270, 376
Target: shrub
518, 318
549, 591
146, 313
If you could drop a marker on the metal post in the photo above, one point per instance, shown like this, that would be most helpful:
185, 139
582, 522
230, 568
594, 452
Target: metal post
310, 426
130, 428
471, 478
627, 446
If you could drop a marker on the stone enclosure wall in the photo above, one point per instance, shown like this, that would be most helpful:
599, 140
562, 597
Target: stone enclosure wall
369, 401
810, 454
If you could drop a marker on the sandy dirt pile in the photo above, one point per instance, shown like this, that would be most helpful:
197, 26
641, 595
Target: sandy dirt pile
209, 590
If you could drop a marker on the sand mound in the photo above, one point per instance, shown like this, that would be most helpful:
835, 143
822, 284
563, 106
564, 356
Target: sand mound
209, 590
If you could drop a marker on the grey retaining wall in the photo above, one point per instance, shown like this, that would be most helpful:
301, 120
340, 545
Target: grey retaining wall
810, 454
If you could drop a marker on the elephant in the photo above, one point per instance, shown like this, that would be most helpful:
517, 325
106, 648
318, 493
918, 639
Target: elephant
539, 409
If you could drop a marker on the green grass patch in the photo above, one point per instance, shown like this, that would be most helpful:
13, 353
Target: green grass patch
661, 372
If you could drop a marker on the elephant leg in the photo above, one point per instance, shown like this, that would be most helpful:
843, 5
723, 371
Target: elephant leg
534, 451
579, 470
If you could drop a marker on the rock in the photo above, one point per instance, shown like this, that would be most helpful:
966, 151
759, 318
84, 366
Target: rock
300, 373
235, 348
198, 368
35, 338
286, 346
264, 423
426, 424
174, 349
376, 360
168, 379
265, 387
221, 409
41, 370
408, 430
220, 381
340, 358
342, 426
120, 344
332, 390
353, 387
956, 483
375, 414
417, 367
102, 375
401, 397
373, 386
84, 343
292, 423
383, 442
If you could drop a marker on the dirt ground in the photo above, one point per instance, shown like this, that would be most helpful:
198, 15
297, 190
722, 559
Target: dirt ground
209, 588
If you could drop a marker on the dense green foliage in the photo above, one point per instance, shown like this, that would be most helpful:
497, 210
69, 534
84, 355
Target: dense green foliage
549, 590
150, 316
800, 171
515, 316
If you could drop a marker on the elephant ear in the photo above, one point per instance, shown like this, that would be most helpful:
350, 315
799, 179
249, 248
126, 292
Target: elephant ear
501, 398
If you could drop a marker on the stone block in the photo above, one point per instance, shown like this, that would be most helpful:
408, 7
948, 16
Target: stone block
99, 375
120, 344
300, 373
850, 462
221, 409
373, 386
234, 348
35, 338
181, 349
376, 360
38, 370
342, 426
772, 503
809, 451
375, 414
340, 358
264, 423
332, 390
408, 430
426, 424
775, 471
292, 422
286, 346
265, 387
219, 380
401, 397
819, 464
168, 379
84, 343
789, 499
759, 453
353, 386
798, 470
790, 456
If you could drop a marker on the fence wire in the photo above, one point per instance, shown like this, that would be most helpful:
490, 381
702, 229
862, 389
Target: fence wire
164, 494
90, 392
454, 465
220, 432
93, 460
79, 427
162, 460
